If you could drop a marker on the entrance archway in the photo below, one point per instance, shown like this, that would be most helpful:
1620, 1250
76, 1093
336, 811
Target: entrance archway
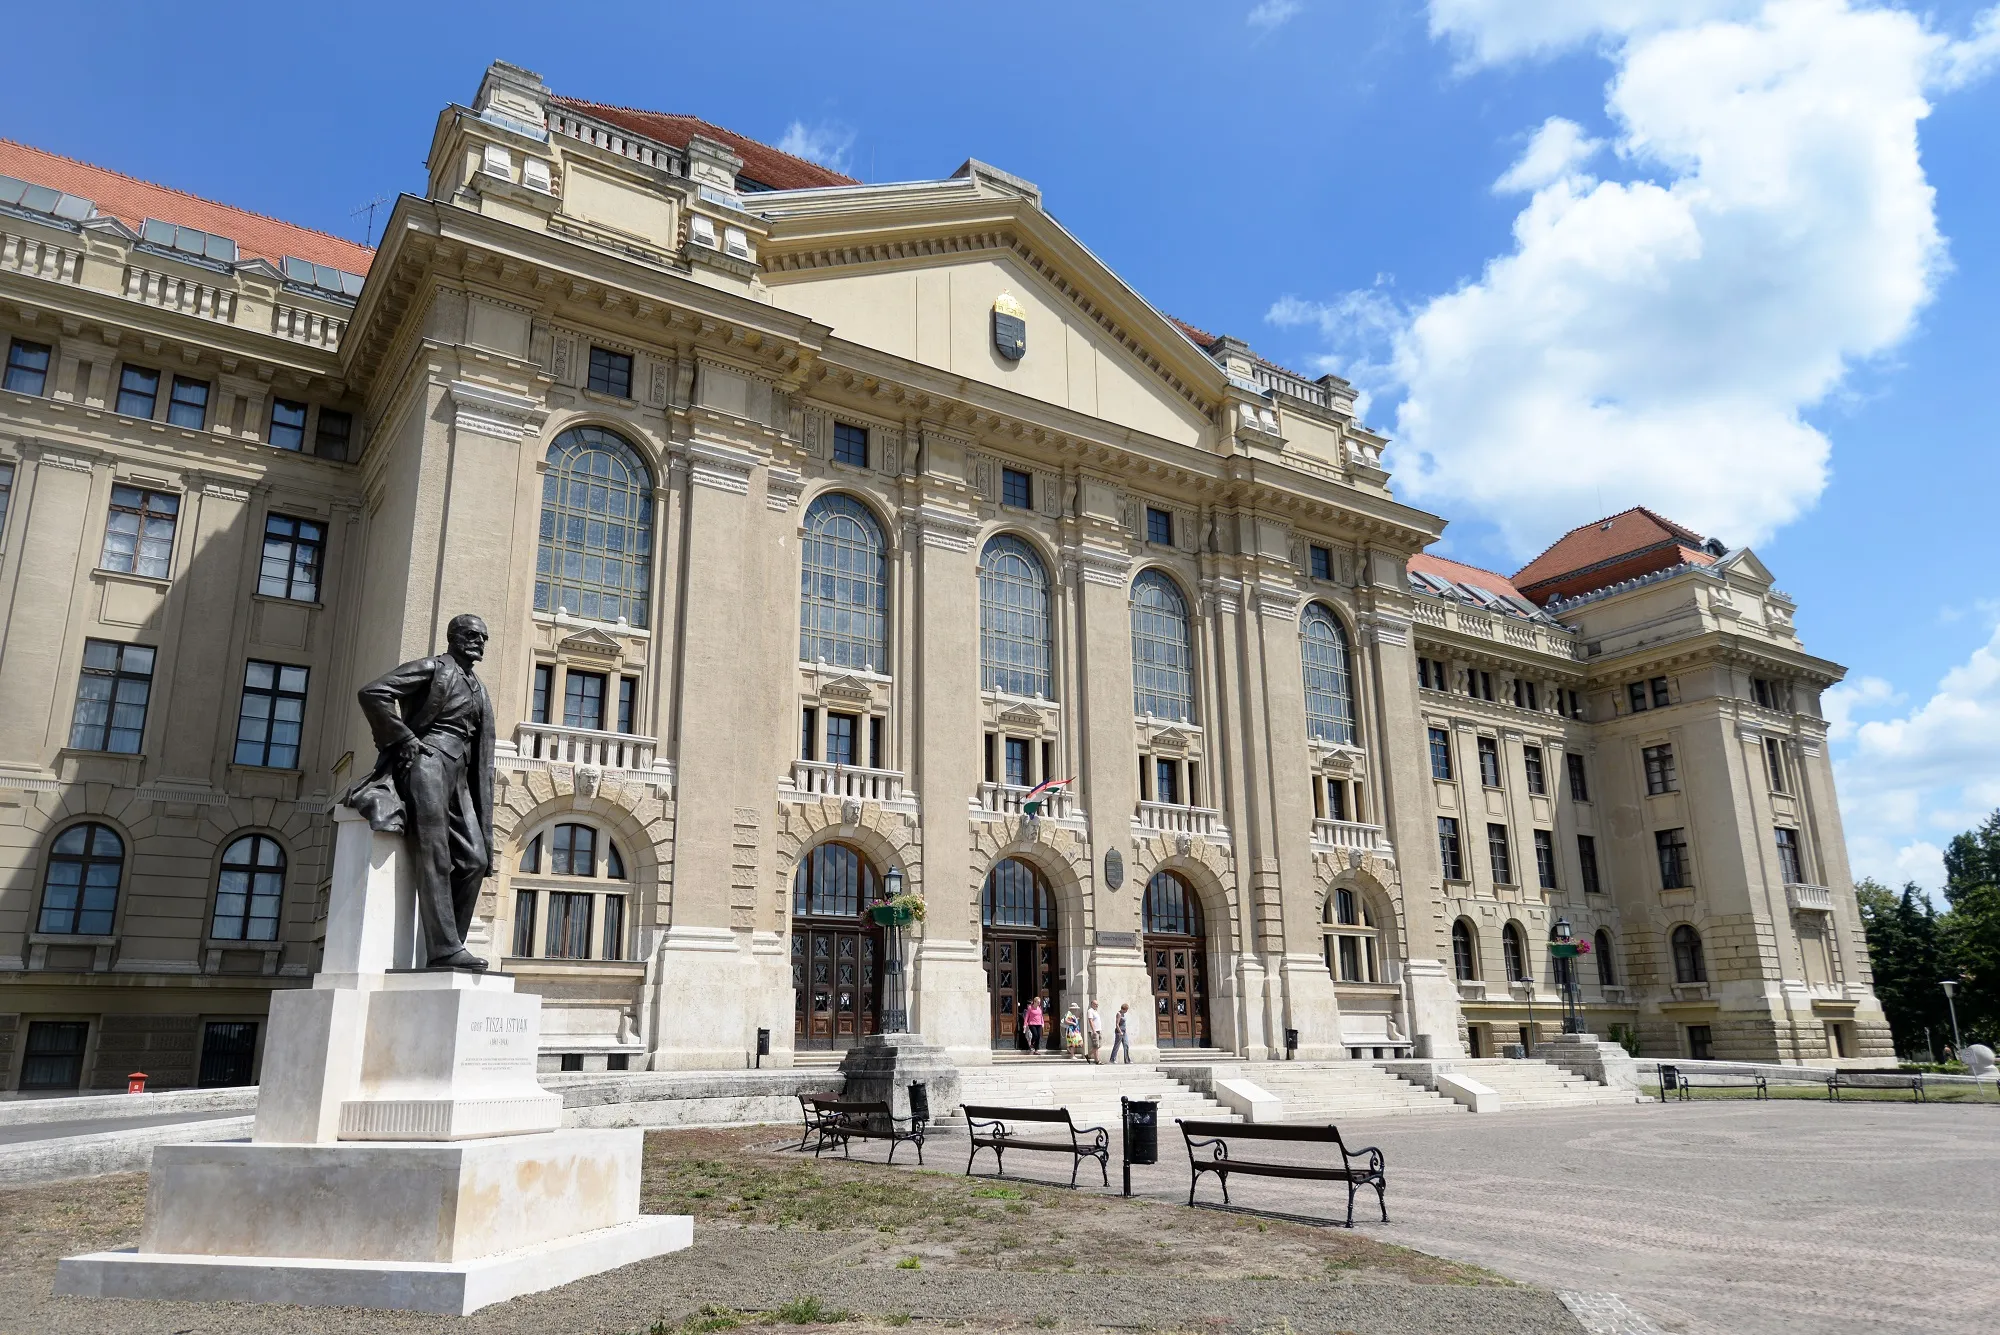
1018, 931
836, 952
1177, 953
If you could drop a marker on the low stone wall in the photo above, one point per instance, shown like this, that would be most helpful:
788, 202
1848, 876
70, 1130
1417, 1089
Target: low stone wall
126, 1151
94, 1107
688, 1098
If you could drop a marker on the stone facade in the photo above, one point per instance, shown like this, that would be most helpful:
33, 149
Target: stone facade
756, 377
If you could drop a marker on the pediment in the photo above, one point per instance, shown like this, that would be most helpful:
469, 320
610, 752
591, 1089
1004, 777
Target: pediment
846, 688
590, 642
1742, 566
1170, 739
1026, 715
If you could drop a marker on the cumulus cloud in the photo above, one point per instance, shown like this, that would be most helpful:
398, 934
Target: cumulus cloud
1910, 781
827, 143
1271, 14
1659, 338
1354, 327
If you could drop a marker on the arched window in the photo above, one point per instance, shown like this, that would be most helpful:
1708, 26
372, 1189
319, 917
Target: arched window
834, 881
1689, 966
1607, 972
843, 592
1016, 896
1172, 908
1353, 949
251, 888
1013, 619
566, 922
1329, 678
1464, 953
1514, 953
80, 892
1162, 652
596, 554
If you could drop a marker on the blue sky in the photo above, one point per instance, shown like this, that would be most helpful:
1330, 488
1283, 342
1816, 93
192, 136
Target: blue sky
1742, 267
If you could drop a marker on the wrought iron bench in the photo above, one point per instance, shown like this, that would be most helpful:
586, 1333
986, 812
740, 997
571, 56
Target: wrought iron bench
1357, 1168
1675, 1081
991, 1128
840, 1122
813, 1112
1837, 1081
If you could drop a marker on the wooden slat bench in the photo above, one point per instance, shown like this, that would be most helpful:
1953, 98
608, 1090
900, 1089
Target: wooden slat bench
1357, 1168
991, 1128
840, 1121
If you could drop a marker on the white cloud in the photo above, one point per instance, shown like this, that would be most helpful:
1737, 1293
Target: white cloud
1559, 148
1355, 326
1271, 14
827, 143
1492, 31
1910, 781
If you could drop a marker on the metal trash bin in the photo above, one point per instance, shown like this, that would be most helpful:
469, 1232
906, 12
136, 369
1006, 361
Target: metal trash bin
920, 1104
1670, 1080
1140, 1121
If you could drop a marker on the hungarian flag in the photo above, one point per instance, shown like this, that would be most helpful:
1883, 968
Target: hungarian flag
1038, 796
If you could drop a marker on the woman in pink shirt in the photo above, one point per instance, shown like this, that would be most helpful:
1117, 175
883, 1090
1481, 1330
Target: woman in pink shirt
1031, 1020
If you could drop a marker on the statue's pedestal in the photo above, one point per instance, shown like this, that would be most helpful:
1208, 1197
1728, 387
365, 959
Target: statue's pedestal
882, 1067
404, 1156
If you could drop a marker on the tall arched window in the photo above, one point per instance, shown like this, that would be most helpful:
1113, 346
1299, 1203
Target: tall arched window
1172, 908
843, 591
1607, 972
1013, 618
1017, 895
80, 892
1353, 947
1464, 954
834, 881
1689, 964
1162, 652
1514, 953
250, 890
596, 554
559, 917
1329, 678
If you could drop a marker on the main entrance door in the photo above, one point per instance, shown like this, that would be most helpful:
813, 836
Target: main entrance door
836, 952
1018, 925
1177, 951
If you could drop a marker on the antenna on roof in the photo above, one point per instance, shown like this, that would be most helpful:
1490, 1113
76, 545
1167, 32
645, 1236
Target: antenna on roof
369, 208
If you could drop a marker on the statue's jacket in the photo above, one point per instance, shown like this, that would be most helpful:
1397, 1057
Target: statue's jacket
406, 702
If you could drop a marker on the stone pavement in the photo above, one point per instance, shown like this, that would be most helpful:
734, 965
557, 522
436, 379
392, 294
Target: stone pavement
1708, 1218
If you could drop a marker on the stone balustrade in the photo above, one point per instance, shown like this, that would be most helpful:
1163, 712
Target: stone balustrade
1810, 898
1351, 835
40, 259
1005, 799
309, 327
1172, 818
179, 294
813, 779
585, 746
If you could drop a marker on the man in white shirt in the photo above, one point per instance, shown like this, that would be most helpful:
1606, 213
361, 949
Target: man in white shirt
1094, 1027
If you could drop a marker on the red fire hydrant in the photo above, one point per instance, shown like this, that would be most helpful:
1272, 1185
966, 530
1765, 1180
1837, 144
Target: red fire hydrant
135, 1083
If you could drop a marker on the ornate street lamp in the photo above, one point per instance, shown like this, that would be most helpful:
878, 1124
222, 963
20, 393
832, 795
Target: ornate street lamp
1566, 953
1950, 986
896, 1018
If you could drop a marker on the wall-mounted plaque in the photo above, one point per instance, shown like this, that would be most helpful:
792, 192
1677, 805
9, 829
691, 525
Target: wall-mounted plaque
1114, 868
1010, 327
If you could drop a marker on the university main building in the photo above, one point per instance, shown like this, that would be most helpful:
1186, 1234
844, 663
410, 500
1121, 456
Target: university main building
817, 524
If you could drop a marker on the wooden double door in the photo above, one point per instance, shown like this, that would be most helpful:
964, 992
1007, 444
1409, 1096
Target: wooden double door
1019, 967
1180, 989
836, 982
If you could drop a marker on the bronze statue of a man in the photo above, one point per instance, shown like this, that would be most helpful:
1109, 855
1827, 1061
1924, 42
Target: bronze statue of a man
433, 783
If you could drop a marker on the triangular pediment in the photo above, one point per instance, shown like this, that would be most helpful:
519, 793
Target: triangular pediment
846, 688
591, 642
1742, 567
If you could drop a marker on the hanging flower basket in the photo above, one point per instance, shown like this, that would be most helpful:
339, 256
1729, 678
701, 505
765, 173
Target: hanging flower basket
898, 912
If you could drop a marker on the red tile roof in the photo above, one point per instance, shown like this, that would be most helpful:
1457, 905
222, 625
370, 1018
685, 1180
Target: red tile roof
1202, 337
1457, 572
761, 162
132, 201
1595, 555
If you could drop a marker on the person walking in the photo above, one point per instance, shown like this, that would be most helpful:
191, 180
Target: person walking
1120, 1036
1032, 1020
1093, 1031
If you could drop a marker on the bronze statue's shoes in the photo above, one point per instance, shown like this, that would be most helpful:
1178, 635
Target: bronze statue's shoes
464, 959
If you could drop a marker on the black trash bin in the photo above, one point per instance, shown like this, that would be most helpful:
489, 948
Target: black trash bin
920, 1104
1141, 1124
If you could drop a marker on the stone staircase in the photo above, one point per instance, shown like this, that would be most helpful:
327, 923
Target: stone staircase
1091, 1093
1527, 1083
1332, 1091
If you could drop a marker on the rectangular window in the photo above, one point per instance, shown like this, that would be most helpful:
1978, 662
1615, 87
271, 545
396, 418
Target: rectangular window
1572, 703
139, 535
1586, 856
1701, 1042
524, 923
1579, 787
809, 734
1497, 851
628, 694
1479, 685
1789, 863
1159, 526
1017, 761
335, 433
850, 444
878, 751
27, 367
1774, 763
111, 697
1017, 489
1166, 782
992, 759
1448, 851
1145, 778
1545, 858
840, 738
288, 425
611, 373
272, 716
1673, 849
294, 552
187, 405
583, 700
538, 707
1322, 563
1489, 762
1658, 685
1660, 774
614, 927
138, 391
1531, 758
1636, 694
1524, 695
1336, 799
1440, 754
54, 1055
1193, 784
1048, 760
1350, 959
569, 927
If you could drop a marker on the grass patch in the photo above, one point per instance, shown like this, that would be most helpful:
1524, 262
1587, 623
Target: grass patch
810, 1311
995, 1194
909, 1263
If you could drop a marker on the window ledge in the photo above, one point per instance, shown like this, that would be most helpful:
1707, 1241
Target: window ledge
133, 577
67, 939
283, 601
609, 400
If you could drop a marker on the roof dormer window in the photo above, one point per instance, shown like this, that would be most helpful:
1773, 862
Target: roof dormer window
189, 241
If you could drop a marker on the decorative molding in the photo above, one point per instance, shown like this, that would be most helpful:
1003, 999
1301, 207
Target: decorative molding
1278, 604
656, 382
1385, 628
487, 411
946, 529
1224, 595
723, 467
1099, 565
590, 641
782, 488
71, 463
200, 797
226, 493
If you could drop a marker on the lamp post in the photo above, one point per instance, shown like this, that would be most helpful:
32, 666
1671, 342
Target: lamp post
1528, 977
1565, 954
1950, 986
896, 1019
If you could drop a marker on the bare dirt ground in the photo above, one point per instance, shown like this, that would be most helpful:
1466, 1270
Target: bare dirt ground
787, 1241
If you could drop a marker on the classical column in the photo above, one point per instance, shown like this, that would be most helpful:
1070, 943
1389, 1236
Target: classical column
57, 512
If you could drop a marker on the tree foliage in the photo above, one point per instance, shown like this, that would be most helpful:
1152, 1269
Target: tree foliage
1914, 947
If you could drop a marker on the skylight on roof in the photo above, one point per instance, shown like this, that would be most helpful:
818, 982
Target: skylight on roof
189, 240
323, 276
41, 199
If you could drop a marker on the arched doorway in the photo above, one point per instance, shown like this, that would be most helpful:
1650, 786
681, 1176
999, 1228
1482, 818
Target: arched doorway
836, 952
1018, 929
1177, 949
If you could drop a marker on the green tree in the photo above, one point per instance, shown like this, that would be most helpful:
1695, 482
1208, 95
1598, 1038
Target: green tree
1969, 933
1903, 943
